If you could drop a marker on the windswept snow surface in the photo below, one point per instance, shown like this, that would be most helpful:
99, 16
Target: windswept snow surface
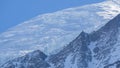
52, 31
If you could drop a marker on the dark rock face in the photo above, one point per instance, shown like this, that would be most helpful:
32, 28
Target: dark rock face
35, 59
98, 49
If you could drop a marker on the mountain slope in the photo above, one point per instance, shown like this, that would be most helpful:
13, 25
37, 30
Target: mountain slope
105, 44
51, 31
35, 59
76, 54
99, 49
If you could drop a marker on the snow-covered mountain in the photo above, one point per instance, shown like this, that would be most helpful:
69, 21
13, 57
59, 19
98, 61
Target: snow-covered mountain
99, 49
51, 31
34, 59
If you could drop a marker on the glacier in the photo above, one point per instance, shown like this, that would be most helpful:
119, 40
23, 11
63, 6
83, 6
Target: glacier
52, 31
98, 49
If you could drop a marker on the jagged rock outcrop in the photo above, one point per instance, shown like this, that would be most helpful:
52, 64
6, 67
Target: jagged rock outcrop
73, 54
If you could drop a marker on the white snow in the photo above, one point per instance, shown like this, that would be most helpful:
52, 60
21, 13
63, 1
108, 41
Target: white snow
69, 63
52, 31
